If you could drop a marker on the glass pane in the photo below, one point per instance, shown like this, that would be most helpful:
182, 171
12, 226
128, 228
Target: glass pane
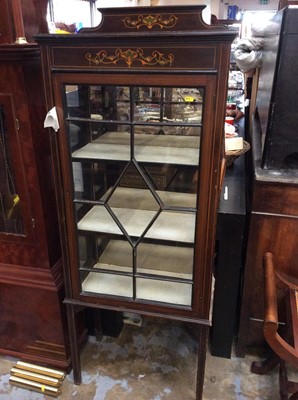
175, 226
106, 265
164, 291
82, 133
101, 283
99, 140
187, 104
154, 104
89, 180
10, 201
93, 179
96, 219
98, 102
165, 260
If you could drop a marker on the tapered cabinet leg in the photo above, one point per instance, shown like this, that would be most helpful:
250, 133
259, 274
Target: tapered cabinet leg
202, 348
74, 346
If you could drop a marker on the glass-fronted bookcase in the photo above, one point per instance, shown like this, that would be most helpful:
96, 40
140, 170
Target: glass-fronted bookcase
139, 160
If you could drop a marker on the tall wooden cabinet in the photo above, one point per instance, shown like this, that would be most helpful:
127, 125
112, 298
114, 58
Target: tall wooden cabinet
32, 317
140, 101
274, 187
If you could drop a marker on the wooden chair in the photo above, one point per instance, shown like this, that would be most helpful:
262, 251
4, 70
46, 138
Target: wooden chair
283, 342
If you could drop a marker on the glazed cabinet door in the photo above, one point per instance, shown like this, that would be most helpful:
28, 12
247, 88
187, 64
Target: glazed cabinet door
15, 221
136, 192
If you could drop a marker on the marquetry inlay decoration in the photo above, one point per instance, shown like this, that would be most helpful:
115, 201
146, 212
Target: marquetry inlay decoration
130, 57
149, 21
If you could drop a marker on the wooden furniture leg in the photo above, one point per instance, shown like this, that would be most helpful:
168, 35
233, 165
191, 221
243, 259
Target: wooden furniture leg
203, 332
263, 367
74, 345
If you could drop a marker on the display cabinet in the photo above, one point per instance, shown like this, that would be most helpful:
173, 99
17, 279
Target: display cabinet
140, 101
33, 322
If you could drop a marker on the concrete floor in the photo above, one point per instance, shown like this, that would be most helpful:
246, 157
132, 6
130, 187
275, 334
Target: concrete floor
156, 361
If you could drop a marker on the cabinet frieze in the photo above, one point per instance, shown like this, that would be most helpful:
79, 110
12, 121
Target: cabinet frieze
132, 57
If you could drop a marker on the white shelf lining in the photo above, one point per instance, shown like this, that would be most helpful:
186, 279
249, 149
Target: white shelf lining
147, 289
170, 261
169, 225
161, 149
143, 198
147, 139
177, 226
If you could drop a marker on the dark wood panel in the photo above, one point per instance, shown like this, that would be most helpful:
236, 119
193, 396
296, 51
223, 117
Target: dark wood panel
23, 328
34, 17
32, 313
166, 18
6, 28
159, 57
275, 198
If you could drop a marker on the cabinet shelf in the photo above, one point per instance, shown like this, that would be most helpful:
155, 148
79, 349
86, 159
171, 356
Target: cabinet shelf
180, 150
150, 290
154, 260
172, 225
169, 225
143, 199
152, 121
